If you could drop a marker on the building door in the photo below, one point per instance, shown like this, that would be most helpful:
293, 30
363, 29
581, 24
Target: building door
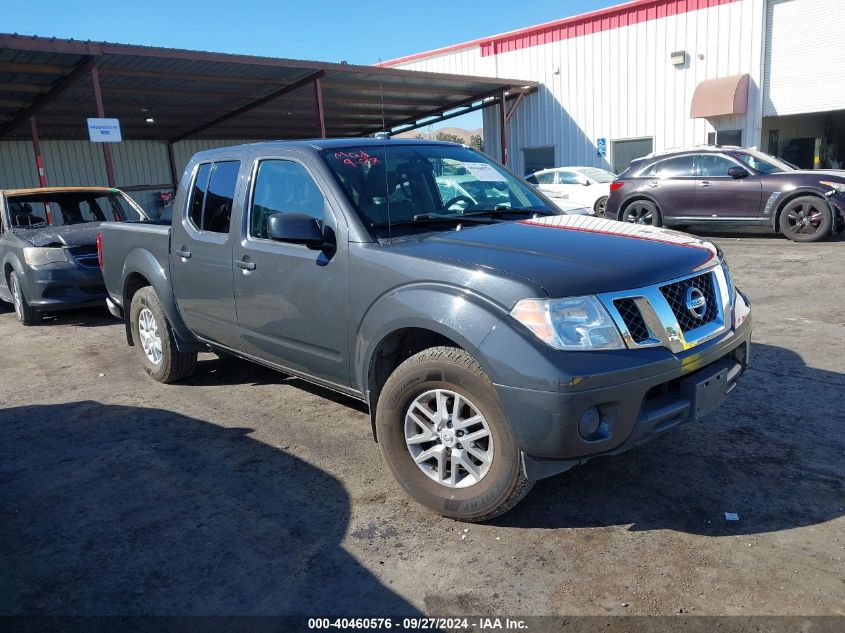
724, 138
537, 158
626, 150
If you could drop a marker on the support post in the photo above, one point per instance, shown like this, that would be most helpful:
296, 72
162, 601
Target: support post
503, 129
318, 107
36, 146
171, 157
98, 98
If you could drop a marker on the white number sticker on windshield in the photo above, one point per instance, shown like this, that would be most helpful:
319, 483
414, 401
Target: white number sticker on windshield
484, 172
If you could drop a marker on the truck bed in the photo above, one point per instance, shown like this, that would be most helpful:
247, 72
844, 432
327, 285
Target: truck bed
125, 242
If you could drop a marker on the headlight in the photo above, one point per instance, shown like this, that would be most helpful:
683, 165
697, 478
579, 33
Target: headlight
36, 256
838, 187
571, 323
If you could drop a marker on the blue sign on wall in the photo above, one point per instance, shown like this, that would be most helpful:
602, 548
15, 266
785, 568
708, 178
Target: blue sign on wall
601, 146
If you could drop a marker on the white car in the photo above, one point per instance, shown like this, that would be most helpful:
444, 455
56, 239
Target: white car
585, 186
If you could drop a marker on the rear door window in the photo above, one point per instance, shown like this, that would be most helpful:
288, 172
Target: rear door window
198, 194
212, 196
680, 167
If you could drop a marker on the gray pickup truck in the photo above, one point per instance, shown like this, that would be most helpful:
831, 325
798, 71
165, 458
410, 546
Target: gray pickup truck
495, 340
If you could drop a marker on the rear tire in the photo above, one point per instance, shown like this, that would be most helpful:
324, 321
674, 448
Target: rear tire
25, 314
642, 212
494, 486
154, 340
805, 219
600, 207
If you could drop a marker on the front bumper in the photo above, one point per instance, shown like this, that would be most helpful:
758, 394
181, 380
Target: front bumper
638, 395
63, 287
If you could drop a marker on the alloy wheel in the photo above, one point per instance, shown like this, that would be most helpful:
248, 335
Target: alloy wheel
448, 438
601, 207
804, 219
149, 335
639, 213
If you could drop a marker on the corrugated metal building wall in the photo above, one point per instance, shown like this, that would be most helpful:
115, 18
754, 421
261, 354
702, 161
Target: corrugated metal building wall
80, 163
802, 70
608, 75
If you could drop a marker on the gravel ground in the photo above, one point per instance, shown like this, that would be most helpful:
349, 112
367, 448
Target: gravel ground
244, 491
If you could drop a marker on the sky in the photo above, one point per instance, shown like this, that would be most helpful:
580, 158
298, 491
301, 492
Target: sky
358, 32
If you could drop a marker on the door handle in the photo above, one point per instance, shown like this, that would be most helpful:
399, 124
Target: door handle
704, 184
184, 254
246, 265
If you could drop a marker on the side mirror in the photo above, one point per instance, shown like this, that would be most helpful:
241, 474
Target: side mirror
295, 228
584, 181
737, 172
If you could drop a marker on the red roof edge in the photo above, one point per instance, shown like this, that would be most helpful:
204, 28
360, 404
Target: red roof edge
584, 24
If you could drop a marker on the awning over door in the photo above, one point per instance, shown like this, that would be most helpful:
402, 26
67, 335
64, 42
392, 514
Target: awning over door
715, 97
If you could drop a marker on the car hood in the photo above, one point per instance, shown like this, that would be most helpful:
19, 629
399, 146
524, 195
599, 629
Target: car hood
71, 235
570, 255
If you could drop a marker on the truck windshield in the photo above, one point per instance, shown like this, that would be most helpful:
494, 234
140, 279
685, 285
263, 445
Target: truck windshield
432, 186
62, 208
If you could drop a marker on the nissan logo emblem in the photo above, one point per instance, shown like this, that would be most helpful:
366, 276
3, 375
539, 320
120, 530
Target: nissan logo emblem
696, 303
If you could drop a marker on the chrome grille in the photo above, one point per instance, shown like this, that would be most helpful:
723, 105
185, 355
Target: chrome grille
676, 296
633, 319
657, 316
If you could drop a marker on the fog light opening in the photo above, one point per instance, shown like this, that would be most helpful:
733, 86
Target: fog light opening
589, 424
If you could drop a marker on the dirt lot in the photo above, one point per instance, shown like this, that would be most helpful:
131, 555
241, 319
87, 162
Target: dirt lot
246, 491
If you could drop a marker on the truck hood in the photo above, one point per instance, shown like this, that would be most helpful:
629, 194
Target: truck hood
72, 235
570, 255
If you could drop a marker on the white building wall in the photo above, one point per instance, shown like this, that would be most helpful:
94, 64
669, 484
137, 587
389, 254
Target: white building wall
619, 83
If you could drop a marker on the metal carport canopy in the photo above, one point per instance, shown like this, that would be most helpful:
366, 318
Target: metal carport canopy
50, 86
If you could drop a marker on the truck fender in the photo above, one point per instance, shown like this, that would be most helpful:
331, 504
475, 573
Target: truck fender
140, 261
453, 312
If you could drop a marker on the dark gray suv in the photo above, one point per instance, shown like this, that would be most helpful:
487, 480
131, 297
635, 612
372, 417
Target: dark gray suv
730, 186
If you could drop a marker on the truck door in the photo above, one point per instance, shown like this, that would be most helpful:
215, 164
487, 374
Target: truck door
291, 300
201, 253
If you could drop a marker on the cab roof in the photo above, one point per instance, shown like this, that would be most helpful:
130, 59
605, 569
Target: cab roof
47, 190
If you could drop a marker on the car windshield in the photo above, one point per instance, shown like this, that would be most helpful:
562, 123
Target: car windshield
431, 186
37, 210
599, 175
763, 163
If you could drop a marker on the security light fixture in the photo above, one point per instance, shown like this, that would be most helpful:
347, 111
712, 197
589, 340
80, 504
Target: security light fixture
678, 58
150, 120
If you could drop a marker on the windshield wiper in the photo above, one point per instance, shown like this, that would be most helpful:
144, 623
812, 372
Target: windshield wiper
503, 210
431, 218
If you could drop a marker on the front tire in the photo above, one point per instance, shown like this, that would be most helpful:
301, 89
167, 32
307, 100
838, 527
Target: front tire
25, 314
805, 219
446, 438
154, 340
642, 212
